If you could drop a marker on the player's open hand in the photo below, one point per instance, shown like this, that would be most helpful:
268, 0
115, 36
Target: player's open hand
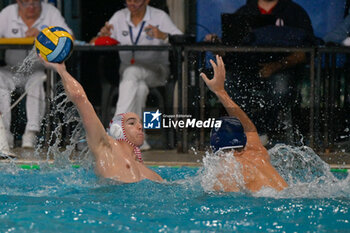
217, 83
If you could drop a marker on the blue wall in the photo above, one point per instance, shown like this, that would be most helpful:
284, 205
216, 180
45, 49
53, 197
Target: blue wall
324, 14
209, 15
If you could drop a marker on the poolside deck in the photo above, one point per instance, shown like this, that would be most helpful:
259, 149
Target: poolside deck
172, 158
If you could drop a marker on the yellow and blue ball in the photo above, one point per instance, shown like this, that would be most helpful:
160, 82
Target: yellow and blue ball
54, 44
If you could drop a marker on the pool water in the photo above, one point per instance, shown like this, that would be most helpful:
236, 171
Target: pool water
60, 198
70, 199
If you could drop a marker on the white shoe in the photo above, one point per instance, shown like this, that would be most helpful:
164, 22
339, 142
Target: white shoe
7, 155
145, 146
29, 139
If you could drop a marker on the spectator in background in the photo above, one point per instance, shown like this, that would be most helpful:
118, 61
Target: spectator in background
140, 24
25, 19
341, 33
266, 81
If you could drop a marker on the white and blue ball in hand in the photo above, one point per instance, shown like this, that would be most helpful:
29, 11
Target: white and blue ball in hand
54, 44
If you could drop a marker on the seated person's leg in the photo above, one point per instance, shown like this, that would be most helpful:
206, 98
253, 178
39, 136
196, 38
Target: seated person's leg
155, 75
35, 108
128, 90
133, 89
141, 97
6, 87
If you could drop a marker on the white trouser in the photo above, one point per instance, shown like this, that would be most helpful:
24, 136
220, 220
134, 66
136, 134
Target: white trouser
133, 88
35, 99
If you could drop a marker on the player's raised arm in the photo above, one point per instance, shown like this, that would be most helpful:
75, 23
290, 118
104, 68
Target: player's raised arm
216, 85
95, 131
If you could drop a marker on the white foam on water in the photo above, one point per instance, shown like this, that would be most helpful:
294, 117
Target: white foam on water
307, 175
220, 163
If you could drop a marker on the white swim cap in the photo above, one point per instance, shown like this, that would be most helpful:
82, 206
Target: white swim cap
116, 127
116, 130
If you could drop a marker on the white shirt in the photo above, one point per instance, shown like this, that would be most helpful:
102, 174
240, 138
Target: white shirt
121, 21
346, 42
12, 25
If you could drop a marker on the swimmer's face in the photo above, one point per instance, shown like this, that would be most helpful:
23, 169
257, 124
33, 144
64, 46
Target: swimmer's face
236, 151
133, 129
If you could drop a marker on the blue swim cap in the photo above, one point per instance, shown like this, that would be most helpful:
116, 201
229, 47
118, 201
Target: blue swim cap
229, 136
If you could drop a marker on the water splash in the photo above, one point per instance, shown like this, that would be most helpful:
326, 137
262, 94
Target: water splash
307, 175
28, 62
63, 118
62, 141
220, 163
62, 144
23, 70
299, 164
58, 177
